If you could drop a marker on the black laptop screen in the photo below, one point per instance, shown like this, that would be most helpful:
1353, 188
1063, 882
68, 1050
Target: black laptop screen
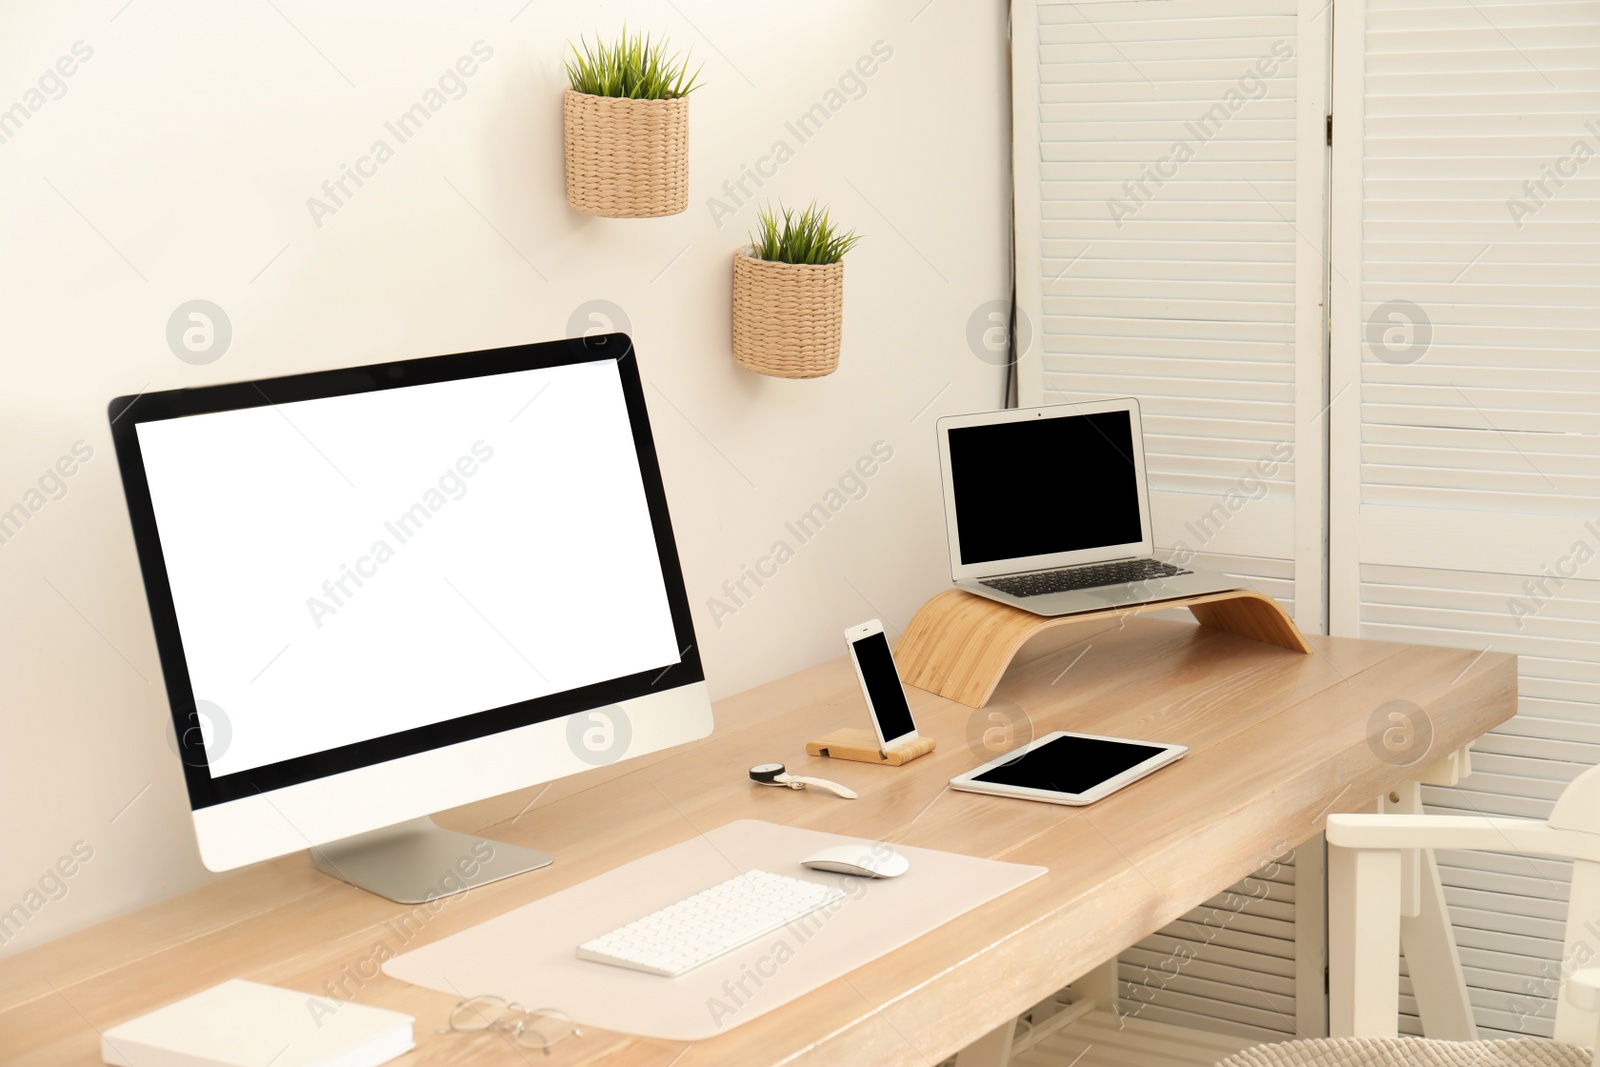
1045, 485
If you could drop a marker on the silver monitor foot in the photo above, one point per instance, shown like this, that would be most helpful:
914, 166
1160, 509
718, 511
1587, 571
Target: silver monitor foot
418, 861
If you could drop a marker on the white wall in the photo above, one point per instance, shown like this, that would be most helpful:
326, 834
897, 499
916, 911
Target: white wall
177, 164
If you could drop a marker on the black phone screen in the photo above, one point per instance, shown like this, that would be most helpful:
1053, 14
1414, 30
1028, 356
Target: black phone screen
884, 691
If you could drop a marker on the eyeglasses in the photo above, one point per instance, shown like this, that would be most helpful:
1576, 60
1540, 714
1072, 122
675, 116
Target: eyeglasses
541, 1028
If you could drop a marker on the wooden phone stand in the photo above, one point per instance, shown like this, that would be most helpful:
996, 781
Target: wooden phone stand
958, 645
862, 745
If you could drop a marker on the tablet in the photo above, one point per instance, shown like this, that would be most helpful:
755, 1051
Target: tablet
1068, 768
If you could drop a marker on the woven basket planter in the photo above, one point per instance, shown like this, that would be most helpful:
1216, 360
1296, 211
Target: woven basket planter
626, 159
787, 317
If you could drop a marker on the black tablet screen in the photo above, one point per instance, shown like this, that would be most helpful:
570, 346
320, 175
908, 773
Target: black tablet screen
1070, 764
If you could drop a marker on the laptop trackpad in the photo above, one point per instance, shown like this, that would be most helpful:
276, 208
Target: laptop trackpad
1133, 593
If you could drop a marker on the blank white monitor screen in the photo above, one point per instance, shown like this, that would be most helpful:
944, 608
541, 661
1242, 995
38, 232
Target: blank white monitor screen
351, 567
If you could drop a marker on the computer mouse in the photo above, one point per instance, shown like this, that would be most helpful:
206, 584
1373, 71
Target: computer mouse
877, 860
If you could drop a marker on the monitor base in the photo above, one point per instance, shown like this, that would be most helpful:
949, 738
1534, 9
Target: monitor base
417, 861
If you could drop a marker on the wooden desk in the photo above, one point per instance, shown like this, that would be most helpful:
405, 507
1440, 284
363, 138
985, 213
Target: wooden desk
1279, 740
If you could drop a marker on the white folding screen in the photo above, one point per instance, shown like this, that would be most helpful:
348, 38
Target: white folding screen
1170, 246
1171, 168
1170, 174
1249, 961
1465, 376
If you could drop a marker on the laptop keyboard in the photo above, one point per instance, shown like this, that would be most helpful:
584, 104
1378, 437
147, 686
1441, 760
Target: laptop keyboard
1117, 573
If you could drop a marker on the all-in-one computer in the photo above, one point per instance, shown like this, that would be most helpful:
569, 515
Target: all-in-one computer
385, 591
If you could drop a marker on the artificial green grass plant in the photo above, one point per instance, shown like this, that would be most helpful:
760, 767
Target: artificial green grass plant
633, 68
809, 237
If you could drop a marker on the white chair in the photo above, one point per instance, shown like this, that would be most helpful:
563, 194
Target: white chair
1381, 874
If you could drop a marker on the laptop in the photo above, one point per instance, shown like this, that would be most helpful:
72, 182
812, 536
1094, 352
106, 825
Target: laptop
1047, 510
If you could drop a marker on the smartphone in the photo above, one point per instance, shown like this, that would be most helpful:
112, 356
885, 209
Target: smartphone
880, 684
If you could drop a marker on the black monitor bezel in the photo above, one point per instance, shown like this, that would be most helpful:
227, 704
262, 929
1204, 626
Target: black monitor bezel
128, 412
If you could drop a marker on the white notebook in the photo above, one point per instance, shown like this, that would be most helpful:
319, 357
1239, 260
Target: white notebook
247, 1024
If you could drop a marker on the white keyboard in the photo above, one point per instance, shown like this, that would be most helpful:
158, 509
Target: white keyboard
713, 922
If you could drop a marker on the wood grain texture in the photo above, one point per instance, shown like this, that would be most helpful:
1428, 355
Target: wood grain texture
1277, 742
960, 645
854, 743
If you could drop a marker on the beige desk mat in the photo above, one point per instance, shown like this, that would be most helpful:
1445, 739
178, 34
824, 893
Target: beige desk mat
528, 955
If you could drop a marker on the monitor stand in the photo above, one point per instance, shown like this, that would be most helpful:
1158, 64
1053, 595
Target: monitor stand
417, 861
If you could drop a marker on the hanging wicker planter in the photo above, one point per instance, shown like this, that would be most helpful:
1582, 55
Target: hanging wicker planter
626, 158
787, 317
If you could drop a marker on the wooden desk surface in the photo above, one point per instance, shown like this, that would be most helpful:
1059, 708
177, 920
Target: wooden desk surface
1278, 741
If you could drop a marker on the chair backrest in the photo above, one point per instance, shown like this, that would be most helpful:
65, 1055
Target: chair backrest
1368, 866
1578, 810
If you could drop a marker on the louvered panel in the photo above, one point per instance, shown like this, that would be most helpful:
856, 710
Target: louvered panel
1533, 728
1103, 1040
1204, 288
1446, 416
1175, 452
1503, 968
1462, 103
1518, 768
1488, 628
1468, 800
1061, 256
1267, 397
1144, 965
1223, 71
1253, 333
1501, 1015
1407, 486
1517, 875
1263, 1015
1556, 298
1486, 944
1401, 95
1486, 785
1226, 20
1272, 133
1446, 134
1402, 494
1542, 748
1231, 961
1218, 1019
1167, 49
1468, 591
1440, 255
1271, 961
1539, 917
1524, 276
1471, 197
1508, 910
1557, 636
1479, 51
1447, 18
1495, 92
1493, 995
1183, 295
1275, 577
1542, 867
1129, 114
1194, 290
1521, 463
1252, 991
1262, 313
1251, 922
1245, 14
